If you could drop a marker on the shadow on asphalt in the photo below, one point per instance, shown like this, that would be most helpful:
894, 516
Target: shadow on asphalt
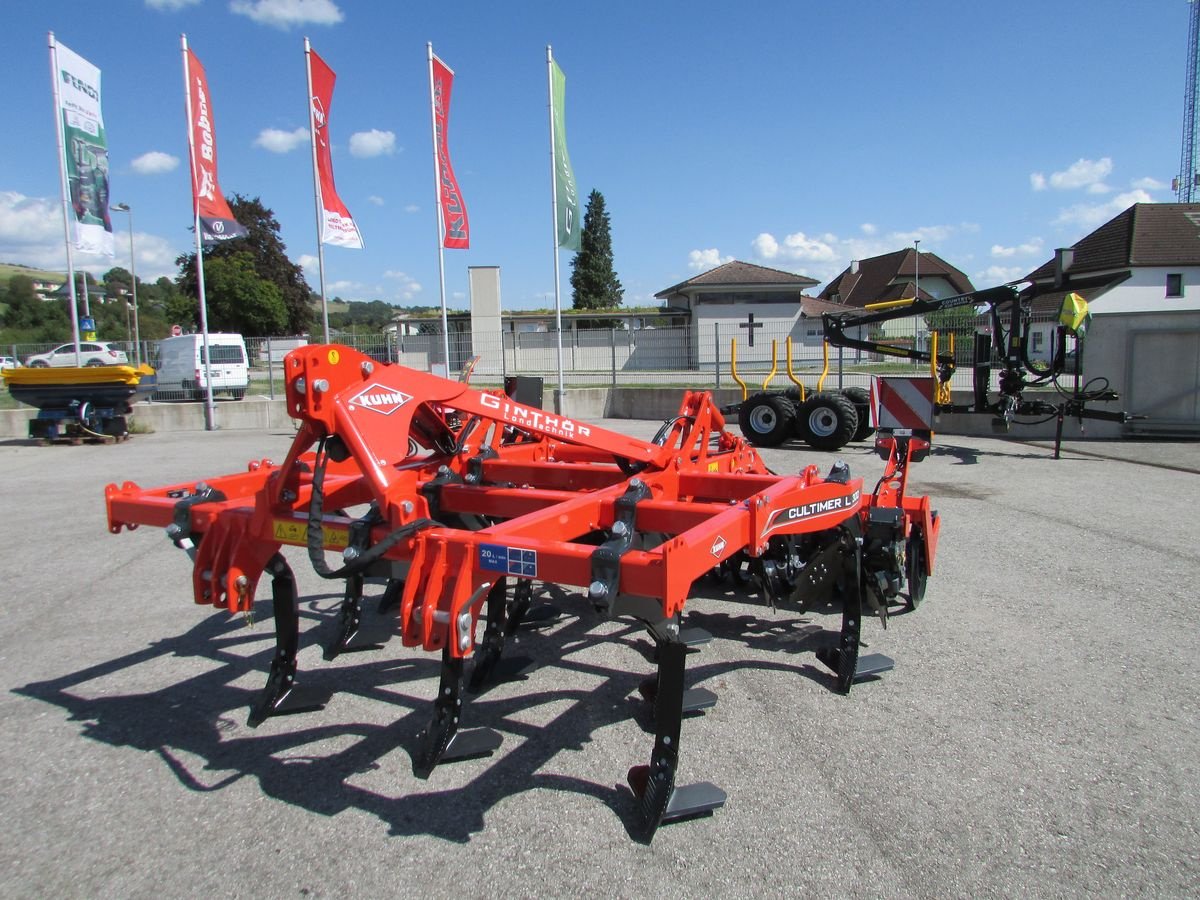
195, 726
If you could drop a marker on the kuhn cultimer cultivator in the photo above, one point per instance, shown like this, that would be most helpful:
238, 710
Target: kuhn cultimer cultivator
466, 497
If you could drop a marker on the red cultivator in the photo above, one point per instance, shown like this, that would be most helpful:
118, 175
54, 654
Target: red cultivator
454, 494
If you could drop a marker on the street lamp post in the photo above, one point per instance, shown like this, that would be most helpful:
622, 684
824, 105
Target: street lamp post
916, 286
137, 336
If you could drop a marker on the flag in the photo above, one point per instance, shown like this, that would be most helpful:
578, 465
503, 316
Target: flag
456, 230
85, 150
337, 225
566, 197
216, 218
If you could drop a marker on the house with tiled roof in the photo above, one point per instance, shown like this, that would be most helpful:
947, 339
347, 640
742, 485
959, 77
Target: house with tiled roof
1146, 258
750, 303
899, 275
1140, 273
902, 274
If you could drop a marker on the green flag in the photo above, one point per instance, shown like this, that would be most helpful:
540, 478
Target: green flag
566, 197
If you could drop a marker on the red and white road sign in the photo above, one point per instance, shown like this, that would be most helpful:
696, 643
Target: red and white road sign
902, 402
176, 331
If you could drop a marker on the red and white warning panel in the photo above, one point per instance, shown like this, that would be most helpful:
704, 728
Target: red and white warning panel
900, 403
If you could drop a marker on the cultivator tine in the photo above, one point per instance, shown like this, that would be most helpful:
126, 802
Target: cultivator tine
522, 598
391, 595
492, 645
659, 800
282, 696
441, 741
351, 636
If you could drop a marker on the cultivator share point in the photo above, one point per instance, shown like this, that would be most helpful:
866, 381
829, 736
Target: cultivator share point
463, 498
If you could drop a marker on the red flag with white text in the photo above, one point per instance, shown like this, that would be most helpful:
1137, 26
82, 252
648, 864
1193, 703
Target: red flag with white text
216, 218
337, 226
456, 229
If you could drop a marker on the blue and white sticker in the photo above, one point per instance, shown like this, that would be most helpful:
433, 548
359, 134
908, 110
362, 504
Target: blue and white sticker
516, 561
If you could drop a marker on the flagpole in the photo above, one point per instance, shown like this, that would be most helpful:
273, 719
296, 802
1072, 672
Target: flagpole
437, 204
210, 410
312, 133
62, 176
559, 395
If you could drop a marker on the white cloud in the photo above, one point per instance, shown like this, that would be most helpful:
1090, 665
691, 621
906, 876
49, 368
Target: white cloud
1083, 173
1147, 184
994, 275
308, 262
703, 260
170, 5
155, 257
372, 143
822, 256
408, 287
412, 208
795, 247
29, 220
286, 14
1098, 187
154, 163
375, 200
868, 229
31, 233
1029, 248
277, 141
1089, 216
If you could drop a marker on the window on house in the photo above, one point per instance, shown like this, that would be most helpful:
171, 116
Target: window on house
1038, 339
1174, 284
812, 332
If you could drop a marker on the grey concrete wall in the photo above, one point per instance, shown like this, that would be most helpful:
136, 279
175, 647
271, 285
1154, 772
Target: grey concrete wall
587, 403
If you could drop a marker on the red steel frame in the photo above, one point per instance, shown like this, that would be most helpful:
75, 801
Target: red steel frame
461, 483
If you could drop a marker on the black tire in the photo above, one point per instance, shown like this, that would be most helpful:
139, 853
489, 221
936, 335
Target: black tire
39, 364
238, 393
914, 565
861, 398
92, 363
767, 420
827, 421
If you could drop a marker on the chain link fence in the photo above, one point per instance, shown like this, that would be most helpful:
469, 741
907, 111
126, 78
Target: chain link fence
701, 357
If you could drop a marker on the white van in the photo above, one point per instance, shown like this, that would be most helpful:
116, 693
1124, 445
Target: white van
180, 367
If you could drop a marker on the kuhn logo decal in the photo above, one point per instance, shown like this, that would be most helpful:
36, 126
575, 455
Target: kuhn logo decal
718, 547
380, 399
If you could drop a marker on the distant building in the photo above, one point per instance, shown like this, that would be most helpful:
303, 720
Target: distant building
896, 276
738, 300
1140, 273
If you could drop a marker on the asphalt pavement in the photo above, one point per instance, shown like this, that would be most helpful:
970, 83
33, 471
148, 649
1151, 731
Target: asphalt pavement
1037, 736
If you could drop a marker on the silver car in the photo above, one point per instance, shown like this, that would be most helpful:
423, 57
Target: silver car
91, 353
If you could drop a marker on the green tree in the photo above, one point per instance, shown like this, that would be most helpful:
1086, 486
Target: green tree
594, 284
270, 261
241, 301
29, 319
118, 282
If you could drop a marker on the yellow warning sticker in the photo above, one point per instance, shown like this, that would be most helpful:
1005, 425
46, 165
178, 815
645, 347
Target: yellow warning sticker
714, 467
289, 531
334, 356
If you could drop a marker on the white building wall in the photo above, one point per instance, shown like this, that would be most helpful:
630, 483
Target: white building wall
1146, 291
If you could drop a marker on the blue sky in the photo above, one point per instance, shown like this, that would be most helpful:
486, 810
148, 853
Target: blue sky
797, 135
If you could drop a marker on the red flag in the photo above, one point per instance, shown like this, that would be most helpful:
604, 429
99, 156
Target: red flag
216, 218
337, 225
454, 212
